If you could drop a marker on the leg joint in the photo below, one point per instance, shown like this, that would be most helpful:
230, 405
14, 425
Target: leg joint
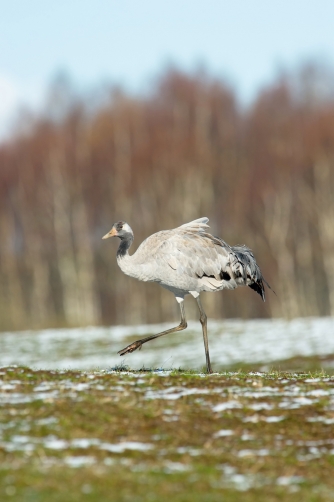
203, 318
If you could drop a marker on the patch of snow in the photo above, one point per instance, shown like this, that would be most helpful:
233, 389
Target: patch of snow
325, 420
79, 461
289, 480
126, 445
253, 341
55, 444
224, 433
228, 405
273, 419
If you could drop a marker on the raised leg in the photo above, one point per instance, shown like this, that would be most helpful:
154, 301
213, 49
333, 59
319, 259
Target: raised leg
203, 320
138, 343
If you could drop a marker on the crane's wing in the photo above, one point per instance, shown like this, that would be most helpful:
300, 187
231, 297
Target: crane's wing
198, 225
199, 256
193, 252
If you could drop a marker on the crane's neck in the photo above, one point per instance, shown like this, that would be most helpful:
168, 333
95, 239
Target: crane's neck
123, 258
123, 248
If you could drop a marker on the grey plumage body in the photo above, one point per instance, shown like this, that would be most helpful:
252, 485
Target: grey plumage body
187, 260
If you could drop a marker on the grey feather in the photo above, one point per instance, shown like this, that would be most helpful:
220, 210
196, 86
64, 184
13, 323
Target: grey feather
189, 259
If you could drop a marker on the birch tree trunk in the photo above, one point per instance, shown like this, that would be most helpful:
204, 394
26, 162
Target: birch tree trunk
13, 290
277, 227
324, 190
59, 188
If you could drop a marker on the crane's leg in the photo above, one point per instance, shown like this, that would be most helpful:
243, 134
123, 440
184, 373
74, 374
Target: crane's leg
203, 320
137, 344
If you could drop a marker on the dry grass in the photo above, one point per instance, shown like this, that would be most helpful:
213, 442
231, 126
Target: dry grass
181, 436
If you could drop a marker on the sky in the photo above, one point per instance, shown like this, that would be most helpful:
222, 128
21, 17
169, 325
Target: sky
130, 42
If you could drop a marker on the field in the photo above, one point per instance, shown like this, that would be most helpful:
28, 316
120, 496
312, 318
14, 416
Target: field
77, 426
165, 435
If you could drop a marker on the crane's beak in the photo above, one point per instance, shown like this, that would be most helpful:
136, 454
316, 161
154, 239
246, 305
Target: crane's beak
112, 233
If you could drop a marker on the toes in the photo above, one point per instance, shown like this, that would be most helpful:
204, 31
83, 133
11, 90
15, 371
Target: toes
129, 348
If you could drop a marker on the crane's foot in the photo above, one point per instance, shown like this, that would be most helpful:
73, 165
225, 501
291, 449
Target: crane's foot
130, 348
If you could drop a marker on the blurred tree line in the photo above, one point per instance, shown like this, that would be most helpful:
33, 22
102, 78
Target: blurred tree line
263, 175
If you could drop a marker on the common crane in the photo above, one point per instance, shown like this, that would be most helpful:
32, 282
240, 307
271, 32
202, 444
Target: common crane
186, 260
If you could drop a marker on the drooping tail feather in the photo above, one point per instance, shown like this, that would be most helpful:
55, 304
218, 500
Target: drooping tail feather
253, 273
259, 288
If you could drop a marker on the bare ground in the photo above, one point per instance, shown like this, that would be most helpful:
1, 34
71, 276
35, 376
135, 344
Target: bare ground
146, 436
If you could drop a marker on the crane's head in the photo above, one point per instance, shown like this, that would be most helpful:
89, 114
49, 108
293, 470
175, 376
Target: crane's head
119, 229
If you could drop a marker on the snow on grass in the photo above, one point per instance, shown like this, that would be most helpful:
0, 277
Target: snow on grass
231, 342
131, 432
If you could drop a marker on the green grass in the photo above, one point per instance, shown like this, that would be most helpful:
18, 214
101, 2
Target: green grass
230, 436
